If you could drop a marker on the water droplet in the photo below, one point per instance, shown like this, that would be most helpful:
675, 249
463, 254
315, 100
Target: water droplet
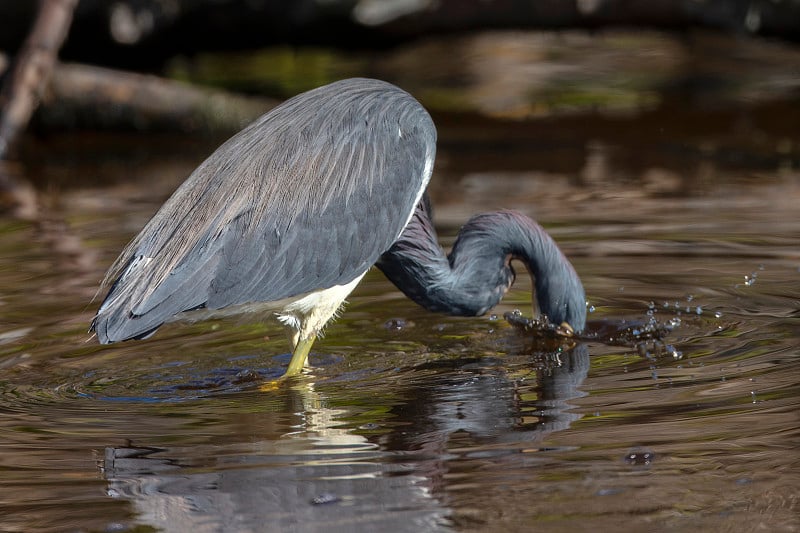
670, 349
639, 456
325, 498
689, 297
591, 309
609, 492
753, 395
698, 310
718, 314
651, 305
395, 324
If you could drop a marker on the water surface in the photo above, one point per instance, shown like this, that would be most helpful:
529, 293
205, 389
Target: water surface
411, 421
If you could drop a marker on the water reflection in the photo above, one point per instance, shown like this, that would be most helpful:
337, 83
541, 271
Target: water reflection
314, 470
488, 406
272, 485
686, 208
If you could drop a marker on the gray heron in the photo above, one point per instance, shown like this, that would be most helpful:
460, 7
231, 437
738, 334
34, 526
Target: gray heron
289, 214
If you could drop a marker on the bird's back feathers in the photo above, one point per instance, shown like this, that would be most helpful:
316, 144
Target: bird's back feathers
306, 197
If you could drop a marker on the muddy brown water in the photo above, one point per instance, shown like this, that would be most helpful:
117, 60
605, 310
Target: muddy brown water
412, 421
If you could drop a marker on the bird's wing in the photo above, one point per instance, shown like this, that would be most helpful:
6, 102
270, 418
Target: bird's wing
305, 198
364, 165
358, 200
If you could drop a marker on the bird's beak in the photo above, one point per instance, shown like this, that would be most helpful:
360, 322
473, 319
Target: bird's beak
564, 329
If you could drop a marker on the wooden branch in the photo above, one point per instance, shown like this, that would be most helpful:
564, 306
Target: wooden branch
88, 97
23, 88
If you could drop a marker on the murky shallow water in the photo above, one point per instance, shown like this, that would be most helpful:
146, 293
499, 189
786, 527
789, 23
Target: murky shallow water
413, 421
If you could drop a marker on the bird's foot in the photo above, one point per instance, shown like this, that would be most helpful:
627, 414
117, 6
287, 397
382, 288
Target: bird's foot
272, 385
280, 383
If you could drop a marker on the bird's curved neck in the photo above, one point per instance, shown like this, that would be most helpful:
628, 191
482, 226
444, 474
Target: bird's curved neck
476, 274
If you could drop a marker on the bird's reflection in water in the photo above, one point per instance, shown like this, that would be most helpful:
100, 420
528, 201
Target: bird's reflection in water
313, 471
491, 406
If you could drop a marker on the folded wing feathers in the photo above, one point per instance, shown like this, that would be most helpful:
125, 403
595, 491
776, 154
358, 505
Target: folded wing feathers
302, 199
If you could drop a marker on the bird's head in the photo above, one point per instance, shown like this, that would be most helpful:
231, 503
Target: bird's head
558, 292
559, 295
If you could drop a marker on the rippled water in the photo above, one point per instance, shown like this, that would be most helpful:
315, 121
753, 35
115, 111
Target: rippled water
412, 421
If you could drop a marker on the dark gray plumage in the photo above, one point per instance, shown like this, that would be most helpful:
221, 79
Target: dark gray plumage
477, 273
305, 198
291, 212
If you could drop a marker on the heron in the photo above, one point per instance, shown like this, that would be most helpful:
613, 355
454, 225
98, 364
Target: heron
287, 216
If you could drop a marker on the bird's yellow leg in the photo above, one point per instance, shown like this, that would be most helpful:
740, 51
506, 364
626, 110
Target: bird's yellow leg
299, 356
295, 368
